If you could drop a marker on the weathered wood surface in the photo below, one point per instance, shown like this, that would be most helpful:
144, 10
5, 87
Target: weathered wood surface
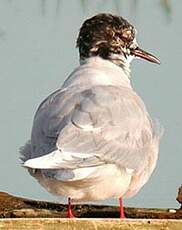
88, 224
15, 207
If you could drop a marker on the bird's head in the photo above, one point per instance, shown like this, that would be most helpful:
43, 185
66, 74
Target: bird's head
110, 37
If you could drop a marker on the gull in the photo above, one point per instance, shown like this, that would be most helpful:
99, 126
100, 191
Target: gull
93, 138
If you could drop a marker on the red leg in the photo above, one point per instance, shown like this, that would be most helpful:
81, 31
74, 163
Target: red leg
69, 211
122, 216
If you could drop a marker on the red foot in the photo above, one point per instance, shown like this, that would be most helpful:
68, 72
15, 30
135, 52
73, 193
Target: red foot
122, 216
69, 211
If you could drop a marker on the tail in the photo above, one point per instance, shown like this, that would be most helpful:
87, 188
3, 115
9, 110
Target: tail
25, 151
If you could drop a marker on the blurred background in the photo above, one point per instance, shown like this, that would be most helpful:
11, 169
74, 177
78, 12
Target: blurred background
37, 52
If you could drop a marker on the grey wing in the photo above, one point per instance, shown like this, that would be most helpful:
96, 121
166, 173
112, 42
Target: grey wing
107, 125
104, 124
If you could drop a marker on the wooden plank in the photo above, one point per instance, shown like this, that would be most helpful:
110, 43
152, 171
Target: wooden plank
88, 224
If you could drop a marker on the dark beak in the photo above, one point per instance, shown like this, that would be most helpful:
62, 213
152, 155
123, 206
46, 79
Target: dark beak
145, 55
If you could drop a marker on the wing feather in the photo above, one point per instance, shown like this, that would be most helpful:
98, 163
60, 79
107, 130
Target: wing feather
103, 124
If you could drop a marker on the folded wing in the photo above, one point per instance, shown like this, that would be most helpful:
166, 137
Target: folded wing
100, 125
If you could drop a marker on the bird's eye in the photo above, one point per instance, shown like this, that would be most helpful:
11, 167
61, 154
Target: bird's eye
127, 35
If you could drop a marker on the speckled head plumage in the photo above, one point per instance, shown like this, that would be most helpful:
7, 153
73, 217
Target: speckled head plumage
109, 36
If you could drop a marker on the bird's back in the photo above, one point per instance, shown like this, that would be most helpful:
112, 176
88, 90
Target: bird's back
93, 121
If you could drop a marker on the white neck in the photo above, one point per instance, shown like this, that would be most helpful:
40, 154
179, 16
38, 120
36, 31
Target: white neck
122, 62
120, 66
98, 71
